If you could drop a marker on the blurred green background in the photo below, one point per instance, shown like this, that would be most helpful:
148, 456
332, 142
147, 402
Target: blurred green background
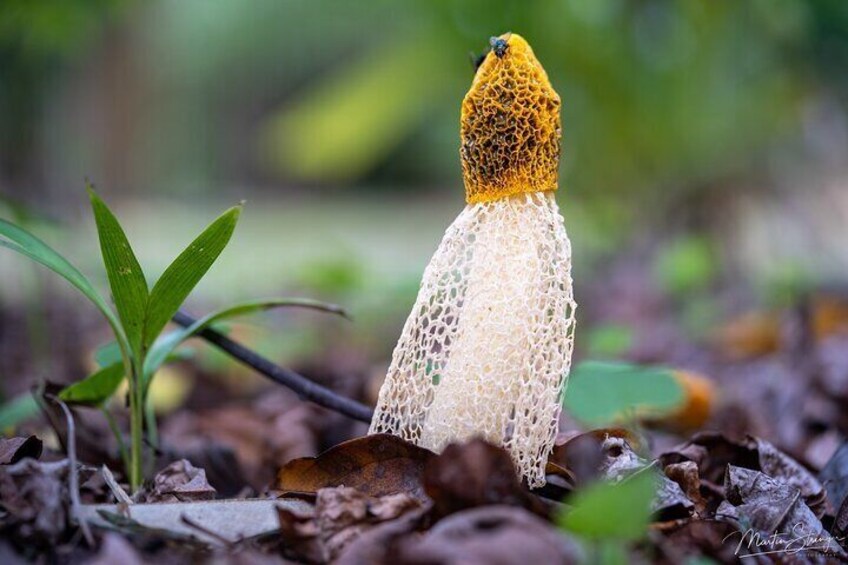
705, 147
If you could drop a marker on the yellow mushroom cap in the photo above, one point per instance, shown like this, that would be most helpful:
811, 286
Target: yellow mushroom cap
510, 125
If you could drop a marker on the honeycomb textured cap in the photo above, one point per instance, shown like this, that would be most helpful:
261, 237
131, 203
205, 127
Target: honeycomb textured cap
510, 125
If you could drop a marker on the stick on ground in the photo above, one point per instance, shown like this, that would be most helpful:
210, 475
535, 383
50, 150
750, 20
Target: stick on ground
307, 389
73, 476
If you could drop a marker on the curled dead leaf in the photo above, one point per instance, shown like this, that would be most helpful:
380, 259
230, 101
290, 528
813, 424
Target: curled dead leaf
376, 465
713, 452
179, 482
685, 474
583, 454
475, 473
492, 534
340, 516
34, 500
14, 449
758, 503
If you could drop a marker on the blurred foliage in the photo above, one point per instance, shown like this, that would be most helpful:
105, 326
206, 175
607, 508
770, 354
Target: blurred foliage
686, 265
629, 501
657, 95
609, 340
603, 393
51, 29
668, 108
36, 40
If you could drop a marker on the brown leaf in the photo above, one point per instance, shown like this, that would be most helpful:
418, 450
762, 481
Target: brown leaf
706, 538
374, 545
584, 454
760, 503
835, 479
840, 524
14, 449
492, 534
340, 516
33, 496
670, 502
685, 474
376, 465
472, 474
713, 452
262, 436
180, 482
750, 335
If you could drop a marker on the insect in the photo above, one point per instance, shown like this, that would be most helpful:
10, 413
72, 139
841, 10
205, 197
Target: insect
499, 46
476, 60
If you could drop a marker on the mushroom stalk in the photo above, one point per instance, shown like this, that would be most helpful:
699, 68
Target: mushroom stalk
487, 348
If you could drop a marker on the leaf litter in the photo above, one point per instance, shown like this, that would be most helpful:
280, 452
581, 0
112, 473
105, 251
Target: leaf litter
774, 461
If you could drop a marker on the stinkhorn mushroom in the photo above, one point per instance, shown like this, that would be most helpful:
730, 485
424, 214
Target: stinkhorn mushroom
486, 350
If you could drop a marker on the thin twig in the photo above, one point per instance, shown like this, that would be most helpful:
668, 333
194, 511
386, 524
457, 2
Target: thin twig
120, 494
304, 387
73, 477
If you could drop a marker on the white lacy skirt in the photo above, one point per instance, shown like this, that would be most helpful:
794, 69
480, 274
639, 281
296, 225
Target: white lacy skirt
486, 350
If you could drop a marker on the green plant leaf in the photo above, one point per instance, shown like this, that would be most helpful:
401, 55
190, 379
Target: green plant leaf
609, 340
601, 393
21, 241
164, 346
108, 354
178, 280
129, 287
96, 388
686, 265
17, 410
605, 511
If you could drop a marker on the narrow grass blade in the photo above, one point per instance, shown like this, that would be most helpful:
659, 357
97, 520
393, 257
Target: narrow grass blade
178, 280
129, 287
21, 241
17, 410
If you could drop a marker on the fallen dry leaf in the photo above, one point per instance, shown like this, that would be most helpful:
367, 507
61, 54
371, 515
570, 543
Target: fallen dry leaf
34, 500
702, 538
834, 476
760, 503
491, 534
374, 545
340, 516
376, 465
670, 502
685, 474
262, 435
713, 452
14, 449
749, 335
840, 524
472, 474
179, 482
583, 454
